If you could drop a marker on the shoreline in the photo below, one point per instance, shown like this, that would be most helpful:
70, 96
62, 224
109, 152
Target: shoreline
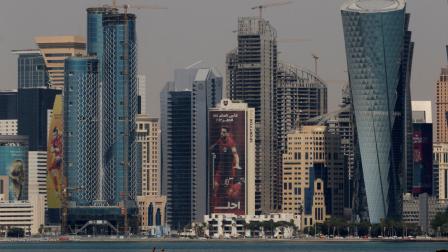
176, 240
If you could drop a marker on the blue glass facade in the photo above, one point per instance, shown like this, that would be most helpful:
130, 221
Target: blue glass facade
33, 106
81, 129
95, 33
32, 72
119, 109
375, 35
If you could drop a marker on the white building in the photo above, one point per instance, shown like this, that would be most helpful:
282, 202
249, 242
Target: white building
29, 215
421, 112
8, 127
237, 226
37, 174
231, 136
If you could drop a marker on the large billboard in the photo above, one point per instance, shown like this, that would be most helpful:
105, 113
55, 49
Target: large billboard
55, 162
227, 162
422, 171
13, 172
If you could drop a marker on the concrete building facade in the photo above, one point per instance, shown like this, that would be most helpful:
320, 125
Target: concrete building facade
28, 215
440, 162
442, 107
313, 175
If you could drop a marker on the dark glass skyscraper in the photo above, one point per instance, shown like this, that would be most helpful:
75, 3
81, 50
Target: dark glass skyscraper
119, 100
34, 106
31, 69
379, 54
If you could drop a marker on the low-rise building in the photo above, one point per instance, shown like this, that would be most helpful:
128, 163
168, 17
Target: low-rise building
277, 225
28, 215
421, 210
152, 215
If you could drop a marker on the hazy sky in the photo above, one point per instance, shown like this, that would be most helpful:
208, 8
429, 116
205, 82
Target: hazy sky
193, 30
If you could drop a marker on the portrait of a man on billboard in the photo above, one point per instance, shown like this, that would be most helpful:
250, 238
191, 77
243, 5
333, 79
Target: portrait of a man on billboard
227, 150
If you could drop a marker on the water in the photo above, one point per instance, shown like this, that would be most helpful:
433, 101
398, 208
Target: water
225, 246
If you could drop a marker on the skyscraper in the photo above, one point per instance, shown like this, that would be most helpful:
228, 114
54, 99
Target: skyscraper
54, 49
31, 69
141, 82
81, 131
148, 146
206, 91
442, 107
379, 55
252, 77
34, 106
119, 100
176, 155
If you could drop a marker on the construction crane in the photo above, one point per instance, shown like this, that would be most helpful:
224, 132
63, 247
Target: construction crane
316, 59
264, 6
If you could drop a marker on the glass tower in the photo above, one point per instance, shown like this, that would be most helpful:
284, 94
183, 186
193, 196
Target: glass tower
119, 105
81, 129
31, 70
379, 54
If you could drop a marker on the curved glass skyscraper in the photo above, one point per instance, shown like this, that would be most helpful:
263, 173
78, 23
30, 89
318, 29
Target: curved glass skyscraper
81, 129
379, 54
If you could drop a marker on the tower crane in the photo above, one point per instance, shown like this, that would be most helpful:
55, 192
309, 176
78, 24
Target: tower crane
264, 6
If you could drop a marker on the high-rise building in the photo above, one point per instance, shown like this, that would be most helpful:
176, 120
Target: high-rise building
31, 69
206, 91
95, 34
313, 175
441, 170
37, 174
442, 107
379, 55
81, 127
176, 121
141, 83
231, 158
119, 107
252, 77
300, 95
34, 105
148, 147
54, 50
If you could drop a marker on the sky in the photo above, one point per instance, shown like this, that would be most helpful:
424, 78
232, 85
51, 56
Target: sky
193, 30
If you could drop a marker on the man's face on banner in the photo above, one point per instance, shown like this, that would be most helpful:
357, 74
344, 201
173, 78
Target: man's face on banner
224, 133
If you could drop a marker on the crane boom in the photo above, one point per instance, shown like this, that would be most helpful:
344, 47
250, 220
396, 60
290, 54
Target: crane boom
264, 6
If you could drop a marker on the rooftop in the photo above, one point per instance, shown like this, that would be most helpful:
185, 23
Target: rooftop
371, 6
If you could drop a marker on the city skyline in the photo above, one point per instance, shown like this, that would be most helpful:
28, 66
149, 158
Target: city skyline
167, 45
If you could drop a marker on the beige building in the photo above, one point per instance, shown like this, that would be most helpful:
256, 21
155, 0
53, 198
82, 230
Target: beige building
442, 107
152, 213
440, 163
37, 174
148, 139
28, 215
313, 174
55, 49
8, 127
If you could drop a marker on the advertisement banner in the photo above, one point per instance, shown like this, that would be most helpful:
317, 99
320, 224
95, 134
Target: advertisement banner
13, 170
227, 161
54, 160
422, 171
